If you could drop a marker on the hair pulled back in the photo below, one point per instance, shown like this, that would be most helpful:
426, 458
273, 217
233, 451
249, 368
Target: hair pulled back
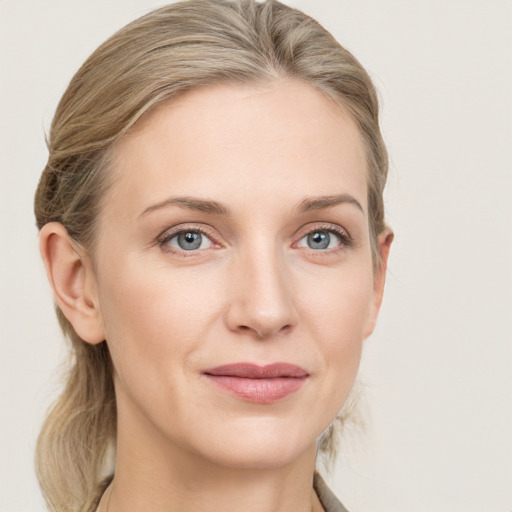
173, 49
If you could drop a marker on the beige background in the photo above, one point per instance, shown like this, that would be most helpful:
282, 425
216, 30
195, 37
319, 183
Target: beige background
438, 371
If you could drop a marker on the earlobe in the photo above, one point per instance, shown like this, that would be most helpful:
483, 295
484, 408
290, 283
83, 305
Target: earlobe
72, 279
384, 244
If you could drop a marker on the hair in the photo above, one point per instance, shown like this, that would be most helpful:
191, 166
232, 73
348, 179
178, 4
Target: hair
182, 46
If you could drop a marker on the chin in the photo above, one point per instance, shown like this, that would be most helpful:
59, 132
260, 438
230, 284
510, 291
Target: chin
258, 458
259, 446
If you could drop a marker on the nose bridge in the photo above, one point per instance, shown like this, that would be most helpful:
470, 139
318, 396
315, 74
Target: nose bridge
262, 301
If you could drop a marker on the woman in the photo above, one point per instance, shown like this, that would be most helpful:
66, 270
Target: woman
211, 222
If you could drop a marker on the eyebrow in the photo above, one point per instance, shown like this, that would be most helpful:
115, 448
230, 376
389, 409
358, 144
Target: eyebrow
216, 208
191, 203
323, 202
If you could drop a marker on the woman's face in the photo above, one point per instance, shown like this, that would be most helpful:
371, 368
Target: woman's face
235, 236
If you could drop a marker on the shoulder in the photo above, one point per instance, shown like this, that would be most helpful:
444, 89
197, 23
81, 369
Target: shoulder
327, 498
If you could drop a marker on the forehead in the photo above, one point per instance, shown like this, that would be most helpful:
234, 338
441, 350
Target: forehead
238, 143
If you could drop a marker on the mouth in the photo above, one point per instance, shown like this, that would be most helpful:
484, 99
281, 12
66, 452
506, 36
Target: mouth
258, 384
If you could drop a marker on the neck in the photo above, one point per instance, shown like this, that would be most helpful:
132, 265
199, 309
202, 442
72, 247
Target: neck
258, 496
155, 475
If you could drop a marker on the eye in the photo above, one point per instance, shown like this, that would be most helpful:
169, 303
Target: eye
321, 240
189, 240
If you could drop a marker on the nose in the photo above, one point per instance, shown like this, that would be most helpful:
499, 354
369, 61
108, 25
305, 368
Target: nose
261, 298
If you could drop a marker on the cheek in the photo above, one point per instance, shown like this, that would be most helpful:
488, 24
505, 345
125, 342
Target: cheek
338, 305
153, 320
336, 316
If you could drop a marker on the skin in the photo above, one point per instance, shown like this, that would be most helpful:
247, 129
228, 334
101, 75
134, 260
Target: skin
254, 292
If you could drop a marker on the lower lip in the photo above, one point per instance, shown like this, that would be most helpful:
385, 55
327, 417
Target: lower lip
261, 391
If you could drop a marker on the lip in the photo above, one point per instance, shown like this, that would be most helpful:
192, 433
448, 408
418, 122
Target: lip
258, 384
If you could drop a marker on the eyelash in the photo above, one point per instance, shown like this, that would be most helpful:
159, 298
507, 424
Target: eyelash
345, 240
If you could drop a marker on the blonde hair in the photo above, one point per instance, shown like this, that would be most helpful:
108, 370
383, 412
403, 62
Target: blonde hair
182, 46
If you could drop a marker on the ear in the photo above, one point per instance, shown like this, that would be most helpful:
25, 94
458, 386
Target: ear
72, 279
379, 279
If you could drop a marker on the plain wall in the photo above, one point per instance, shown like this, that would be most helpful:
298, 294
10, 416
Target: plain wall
438, 370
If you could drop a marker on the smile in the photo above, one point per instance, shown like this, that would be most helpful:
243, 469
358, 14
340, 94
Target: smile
258, 384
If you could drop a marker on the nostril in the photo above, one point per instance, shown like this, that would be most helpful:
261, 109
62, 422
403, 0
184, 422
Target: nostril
263, 332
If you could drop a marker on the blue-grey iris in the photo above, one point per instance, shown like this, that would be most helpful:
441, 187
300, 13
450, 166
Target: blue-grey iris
319, 240
189, 240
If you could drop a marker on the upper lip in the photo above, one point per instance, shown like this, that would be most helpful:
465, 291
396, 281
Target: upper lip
254, 371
